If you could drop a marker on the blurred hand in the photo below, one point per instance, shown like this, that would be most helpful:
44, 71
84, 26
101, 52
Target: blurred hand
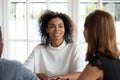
46, 77
57, 78
42, 76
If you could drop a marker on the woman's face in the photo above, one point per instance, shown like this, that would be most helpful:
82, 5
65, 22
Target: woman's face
56, 29
85, 34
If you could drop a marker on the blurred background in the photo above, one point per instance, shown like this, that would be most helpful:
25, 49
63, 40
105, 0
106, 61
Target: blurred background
18, 20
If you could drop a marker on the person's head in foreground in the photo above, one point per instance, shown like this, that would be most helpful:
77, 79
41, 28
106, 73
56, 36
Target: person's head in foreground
102, 52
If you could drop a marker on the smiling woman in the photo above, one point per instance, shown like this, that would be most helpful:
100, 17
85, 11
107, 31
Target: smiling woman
19, 21
58, 55
56, 31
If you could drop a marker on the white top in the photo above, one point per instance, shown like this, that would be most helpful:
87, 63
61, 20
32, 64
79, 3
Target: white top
53, 61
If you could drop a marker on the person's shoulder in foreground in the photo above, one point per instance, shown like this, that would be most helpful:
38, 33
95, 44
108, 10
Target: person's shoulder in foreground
14, 70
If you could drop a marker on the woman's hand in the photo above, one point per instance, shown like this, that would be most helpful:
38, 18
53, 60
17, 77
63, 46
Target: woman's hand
58, 78
46, 77
42, 76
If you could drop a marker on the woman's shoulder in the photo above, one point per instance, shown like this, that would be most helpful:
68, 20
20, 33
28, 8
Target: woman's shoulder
95, 60
102, 61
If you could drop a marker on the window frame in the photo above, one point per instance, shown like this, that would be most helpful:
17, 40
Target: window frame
73, 12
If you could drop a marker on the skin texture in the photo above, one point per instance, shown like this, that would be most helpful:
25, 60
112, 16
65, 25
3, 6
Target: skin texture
70, 76
92, 73
56, 31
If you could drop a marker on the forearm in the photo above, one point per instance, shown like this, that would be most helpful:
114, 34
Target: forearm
70, 76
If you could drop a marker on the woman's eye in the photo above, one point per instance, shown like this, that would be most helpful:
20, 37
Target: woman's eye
52, 26
60, 26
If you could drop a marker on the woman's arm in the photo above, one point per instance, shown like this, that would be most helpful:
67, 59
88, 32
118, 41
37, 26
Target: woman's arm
70, 76
91, 73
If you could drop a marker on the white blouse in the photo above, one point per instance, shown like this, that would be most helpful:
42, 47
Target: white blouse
52, 61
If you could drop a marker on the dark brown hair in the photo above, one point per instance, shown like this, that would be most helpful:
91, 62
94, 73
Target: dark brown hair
101, 34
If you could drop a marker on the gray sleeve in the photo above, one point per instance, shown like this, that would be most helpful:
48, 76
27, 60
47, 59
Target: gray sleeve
25, 74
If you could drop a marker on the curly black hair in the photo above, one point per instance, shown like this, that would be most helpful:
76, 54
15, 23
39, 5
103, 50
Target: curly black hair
68, 23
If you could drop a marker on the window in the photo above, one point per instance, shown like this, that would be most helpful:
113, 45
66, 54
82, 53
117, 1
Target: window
86, 6
113, 7
20, 25
23, 33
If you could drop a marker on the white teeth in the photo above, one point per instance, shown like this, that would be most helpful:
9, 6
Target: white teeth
56, 34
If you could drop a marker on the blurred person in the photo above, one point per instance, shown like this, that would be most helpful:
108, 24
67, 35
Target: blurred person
102, 52
13, 70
